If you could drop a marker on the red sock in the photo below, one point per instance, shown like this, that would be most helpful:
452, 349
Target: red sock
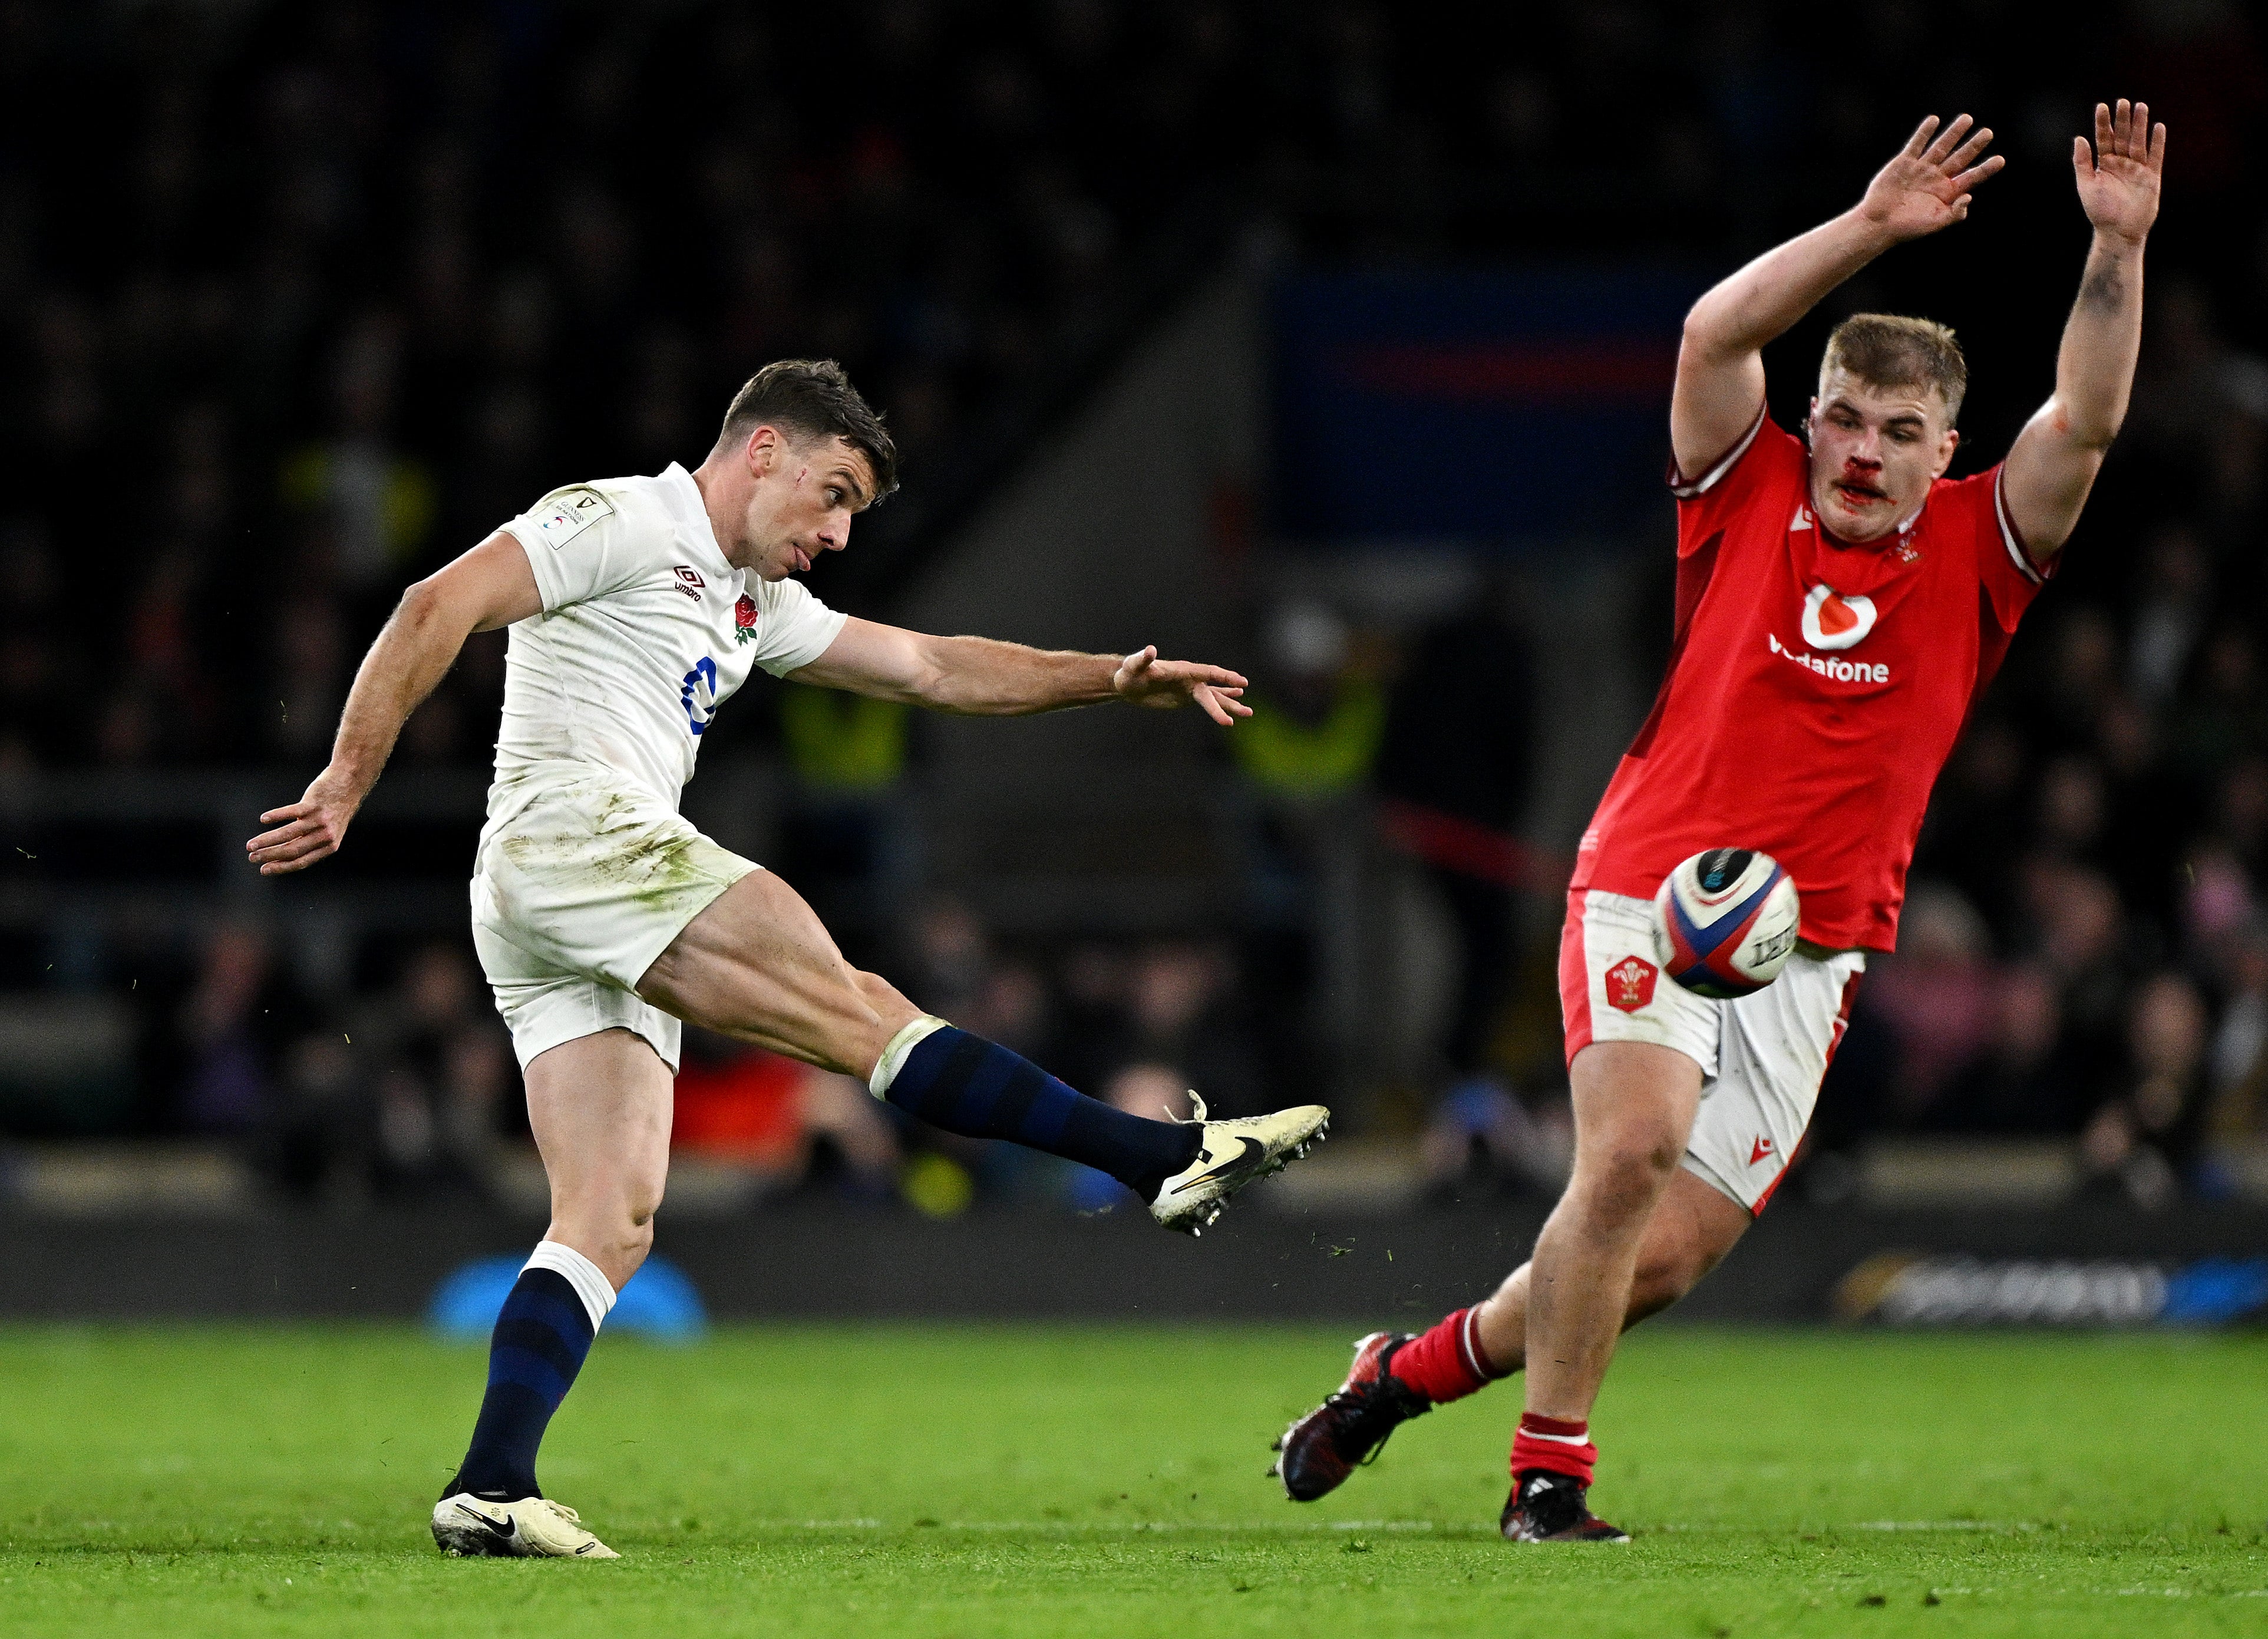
1555, 1444
1447, 1362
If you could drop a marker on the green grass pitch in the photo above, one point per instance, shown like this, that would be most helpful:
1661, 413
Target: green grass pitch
1081, 1481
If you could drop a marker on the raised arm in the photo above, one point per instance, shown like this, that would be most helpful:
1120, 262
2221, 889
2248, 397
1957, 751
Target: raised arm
2052, 464
1720, 368
491, 586
980, 678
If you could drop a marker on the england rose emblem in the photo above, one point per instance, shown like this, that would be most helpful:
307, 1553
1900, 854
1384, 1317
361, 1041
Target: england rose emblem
744, 620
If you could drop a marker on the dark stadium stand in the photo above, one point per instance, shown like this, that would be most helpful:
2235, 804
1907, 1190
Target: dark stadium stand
297, 301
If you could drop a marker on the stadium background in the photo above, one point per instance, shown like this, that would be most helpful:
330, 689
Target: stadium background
1295, 336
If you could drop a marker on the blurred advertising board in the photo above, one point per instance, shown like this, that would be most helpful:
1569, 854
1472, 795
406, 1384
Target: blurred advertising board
2083, 1265
1908, 1290
1495, 407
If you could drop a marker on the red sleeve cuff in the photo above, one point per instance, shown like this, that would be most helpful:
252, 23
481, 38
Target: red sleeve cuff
2019, 554
1686, 489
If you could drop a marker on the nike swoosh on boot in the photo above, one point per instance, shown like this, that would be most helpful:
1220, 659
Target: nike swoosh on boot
1248, 1156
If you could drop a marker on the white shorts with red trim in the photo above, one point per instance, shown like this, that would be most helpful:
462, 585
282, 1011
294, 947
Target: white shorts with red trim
1761, 1056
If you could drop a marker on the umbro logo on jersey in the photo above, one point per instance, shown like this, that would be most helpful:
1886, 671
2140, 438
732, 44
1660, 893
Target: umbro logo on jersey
1831, 621
1763, 1149
689, 581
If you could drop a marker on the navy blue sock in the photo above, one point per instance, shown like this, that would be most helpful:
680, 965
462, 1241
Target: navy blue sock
541, 1335
980, 1090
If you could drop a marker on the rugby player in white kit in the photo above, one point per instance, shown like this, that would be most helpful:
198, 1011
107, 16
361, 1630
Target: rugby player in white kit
636, 607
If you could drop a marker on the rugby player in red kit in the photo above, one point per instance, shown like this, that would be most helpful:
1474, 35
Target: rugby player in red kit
1840, 605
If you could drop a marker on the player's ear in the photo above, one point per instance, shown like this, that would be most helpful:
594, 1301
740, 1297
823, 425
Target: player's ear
762, 450
1946, 446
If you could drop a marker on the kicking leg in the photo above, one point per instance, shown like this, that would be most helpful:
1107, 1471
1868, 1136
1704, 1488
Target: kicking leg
600, 1107
1397, 1376
758, 965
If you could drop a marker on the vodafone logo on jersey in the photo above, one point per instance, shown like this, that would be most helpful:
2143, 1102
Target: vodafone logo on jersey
1831, 621
1838, 671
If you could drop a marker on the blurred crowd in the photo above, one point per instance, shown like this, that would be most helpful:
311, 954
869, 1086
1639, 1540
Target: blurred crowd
310, 296
402, 1085
314, 296
343, 286
2086, 948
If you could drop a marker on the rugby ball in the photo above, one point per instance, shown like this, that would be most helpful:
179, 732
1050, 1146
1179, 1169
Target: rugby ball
1726, 919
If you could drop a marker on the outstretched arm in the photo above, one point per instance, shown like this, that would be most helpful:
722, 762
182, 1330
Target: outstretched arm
1720, 368
980, 678
2053, 465
491, 586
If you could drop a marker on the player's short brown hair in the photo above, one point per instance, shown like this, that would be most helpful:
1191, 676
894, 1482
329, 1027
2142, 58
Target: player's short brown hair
814, 399
1887, 349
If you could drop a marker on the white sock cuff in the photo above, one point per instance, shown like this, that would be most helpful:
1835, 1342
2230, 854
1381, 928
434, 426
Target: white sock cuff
593, 1286
894, 1056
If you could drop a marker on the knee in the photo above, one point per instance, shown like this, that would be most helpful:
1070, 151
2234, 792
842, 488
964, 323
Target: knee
640, 1202
878, 1013
1689, 1238
1626, 1175
1664, 1275
630, 1250
614, 1230
886, 1011
623, 1246
877, 991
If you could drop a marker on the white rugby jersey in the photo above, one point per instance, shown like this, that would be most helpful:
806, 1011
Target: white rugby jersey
645, 631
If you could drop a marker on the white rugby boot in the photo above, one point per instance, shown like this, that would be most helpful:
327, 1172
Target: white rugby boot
1232, 1155
533, 1527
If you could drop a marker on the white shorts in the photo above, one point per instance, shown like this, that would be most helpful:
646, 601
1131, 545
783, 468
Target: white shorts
1761, 1056
582, 880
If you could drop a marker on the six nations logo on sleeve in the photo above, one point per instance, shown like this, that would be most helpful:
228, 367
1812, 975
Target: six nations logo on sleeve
567, 514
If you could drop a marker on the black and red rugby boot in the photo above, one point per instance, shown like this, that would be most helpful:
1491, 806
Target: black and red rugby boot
1351, 1426
1545, 1506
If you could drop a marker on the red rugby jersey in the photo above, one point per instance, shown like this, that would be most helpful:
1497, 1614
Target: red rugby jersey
1814, 687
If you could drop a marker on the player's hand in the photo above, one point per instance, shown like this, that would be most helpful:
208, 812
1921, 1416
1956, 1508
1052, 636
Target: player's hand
306, 831
1928, 186
2118, 177
1142, 679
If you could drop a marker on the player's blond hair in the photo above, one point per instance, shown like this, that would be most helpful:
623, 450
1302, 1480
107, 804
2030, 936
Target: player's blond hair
1889, 349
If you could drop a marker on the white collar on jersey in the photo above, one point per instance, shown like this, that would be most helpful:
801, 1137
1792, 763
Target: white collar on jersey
682, 497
